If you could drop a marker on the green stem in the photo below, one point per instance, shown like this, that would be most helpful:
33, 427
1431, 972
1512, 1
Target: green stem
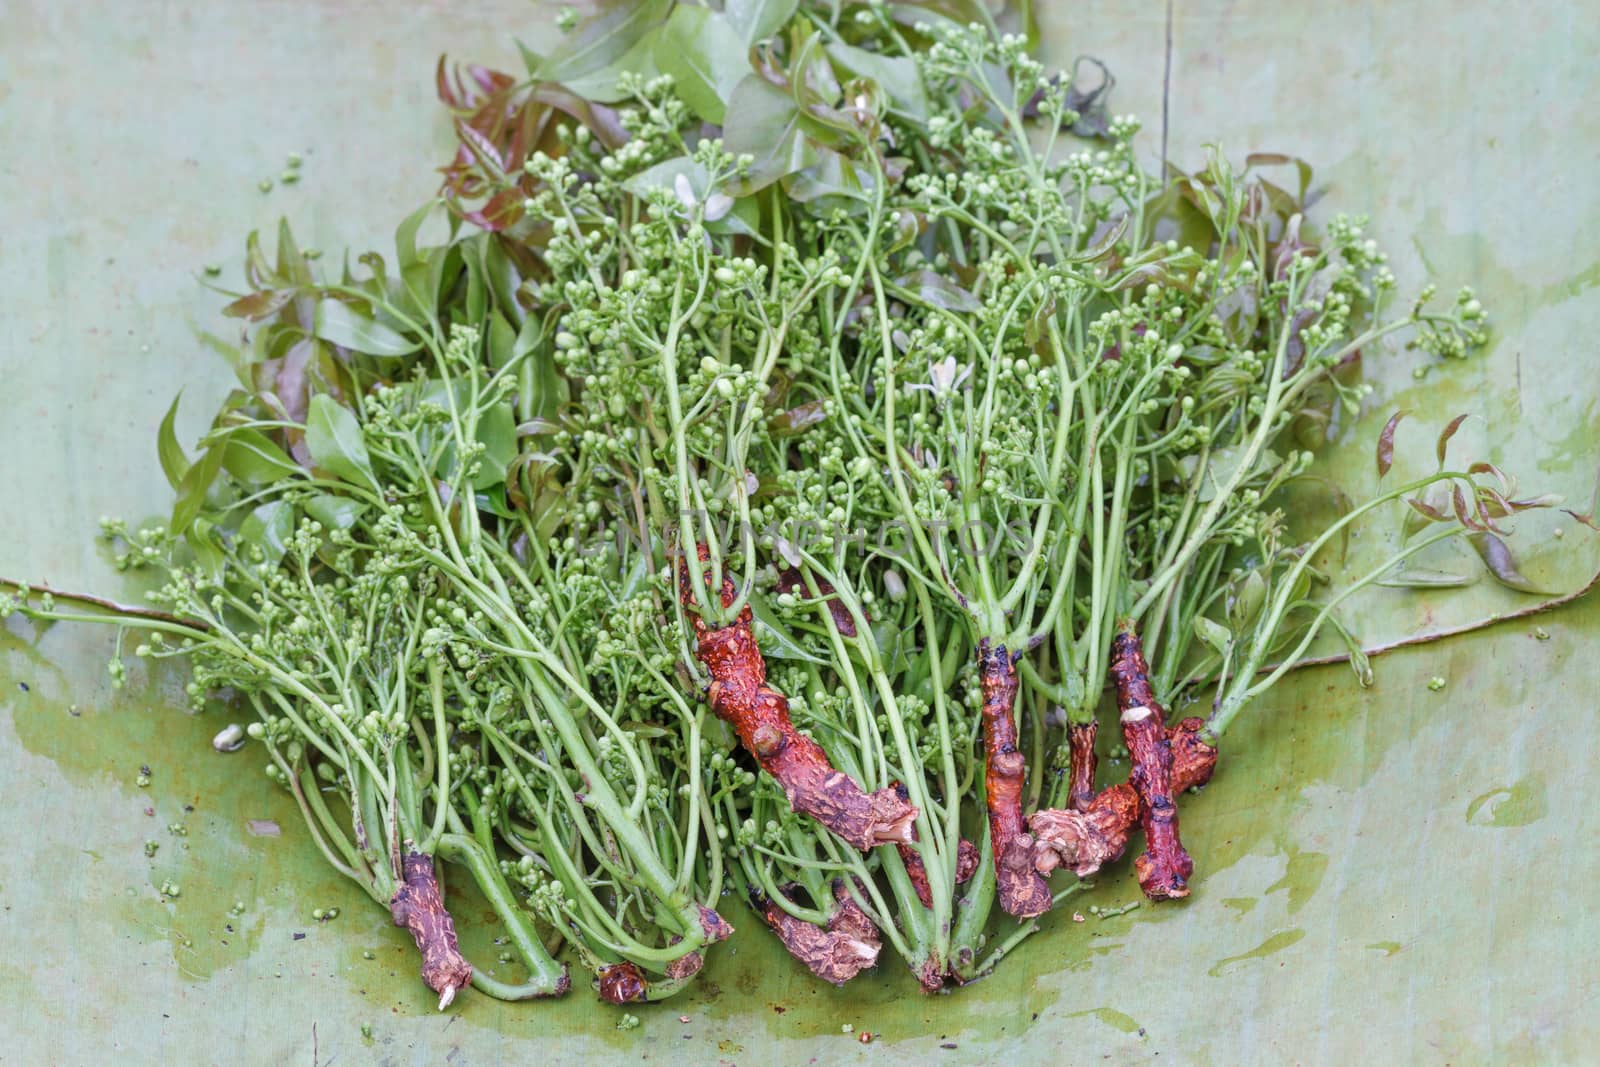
546, 977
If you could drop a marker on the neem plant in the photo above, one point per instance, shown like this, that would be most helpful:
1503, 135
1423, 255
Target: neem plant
703, 376
396, 585
320, 630
1068, 387
800, 369
1104, 413
678, 342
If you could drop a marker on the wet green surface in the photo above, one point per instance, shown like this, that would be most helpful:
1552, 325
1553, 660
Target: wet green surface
1391, 869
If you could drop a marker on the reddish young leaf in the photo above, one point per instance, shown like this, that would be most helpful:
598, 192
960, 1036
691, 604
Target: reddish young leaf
602, 121
1485, 519
1492, 504
1501, 563
446, 87
1588, 520
797, 419
1386, 442
1449, 432
1594, 509
481, 146
1426, 509
259, 305
1458, 503
1508, 485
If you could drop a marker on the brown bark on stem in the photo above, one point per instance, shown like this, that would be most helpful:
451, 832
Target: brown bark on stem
1084, 841
1164, 867
1021, 890
622, 983
1080, 743
967, 860
715, 928
759, 714
418, 906
625, 982
836, 953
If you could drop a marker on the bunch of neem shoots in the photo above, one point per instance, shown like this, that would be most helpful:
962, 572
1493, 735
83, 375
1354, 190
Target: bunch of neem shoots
820, 407
370, 556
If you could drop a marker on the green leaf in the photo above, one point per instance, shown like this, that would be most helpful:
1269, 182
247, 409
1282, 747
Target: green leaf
236, 357
292, 265
257, 270
590, 61
193, 488
1360, 664
896, 75
1222, 465
781, 644
1244, 601
938, 291
542, 389
706, 58
502, 341
333, 437
252, 458
269, 527
497, 431
341, 324
1421, 578
664, 174
493, 501
531, 60
743, 219
1212, 633
756, 20
202, 541
766, 125
174, 464
334, 512
834, 174
405, 235
477, 290
502, 277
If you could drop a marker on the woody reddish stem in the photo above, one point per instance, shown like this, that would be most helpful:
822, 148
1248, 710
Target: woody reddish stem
1164, 867
1080, 743
836, 953
418, 906
967, 859
759, 714
1021, 890
621, 983
625, 982
1085, 840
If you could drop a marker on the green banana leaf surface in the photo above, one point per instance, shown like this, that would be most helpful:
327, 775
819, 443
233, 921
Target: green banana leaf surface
1401, 871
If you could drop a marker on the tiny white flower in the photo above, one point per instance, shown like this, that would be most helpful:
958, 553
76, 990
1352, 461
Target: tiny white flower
944, 377
715, 206
686, 197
